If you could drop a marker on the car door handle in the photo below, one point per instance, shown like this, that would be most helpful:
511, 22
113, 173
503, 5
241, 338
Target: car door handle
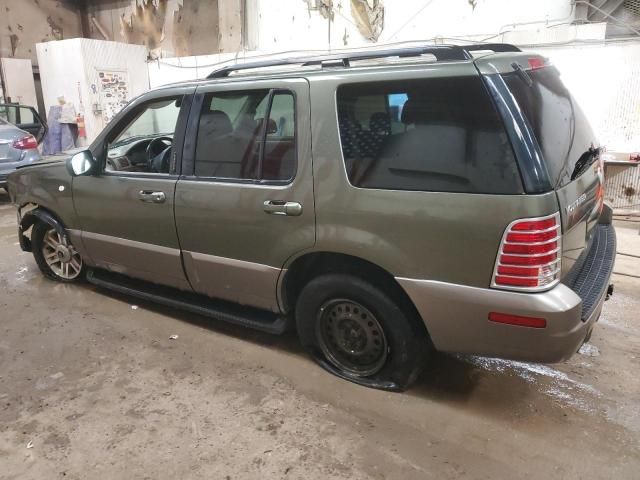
280, 207
151, 196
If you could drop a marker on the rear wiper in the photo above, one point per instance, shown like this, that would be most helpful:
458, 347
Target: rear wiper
524, 76
585, 161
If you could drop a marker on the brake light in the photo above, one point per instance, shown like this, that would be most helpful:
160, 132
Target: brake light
536, 63
25, 143
529, 255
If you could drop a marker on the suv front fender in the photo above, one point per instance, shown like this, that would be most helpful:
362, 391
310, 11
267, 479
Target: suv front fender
30, 218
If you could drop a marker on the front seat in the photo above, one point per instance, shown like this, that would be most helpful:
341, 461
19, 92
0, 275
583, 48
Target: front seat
213, 149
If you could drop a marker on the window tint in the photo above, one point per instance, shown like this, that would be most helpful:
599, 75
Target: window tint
234, 140
562, 130
439, 134
157, 118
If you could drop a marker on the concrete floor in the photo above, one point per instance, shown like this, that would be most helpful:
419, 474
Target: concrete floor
98, 390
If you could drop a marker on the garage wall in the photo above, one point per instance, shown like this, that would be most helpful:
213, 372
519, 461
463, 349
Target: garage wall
169, 27
306, 24
23, 23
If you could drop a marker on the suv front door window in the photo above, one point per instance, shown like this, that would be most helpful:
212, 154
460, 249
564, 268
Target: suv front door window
143, 143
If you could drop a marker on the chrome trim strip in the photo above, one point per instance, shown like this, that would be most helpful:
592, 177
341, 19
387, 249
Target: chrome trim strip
533, 254
550, 229
518, 265
550, 274
526, 244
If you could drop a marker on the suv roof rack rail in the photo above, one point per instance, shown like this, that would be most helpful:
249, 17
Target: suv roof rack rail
442, 53
492, 47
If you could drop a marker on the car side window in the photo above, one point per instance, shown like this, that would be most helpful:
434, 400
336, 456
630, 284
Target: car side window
144, 142
247, 135
16, 114
437, 134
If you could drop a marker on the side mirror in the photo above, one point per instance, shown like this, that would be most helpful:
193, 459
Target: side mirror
272, 127
82, 163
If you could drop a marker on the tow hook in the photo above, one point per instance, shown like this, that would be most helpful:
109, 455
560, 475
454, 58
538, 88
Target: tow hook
609, 292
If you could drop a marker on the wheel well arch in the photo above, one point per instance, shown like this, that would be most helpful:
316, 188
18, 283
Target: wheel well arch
44, 215
29, 219
311, 265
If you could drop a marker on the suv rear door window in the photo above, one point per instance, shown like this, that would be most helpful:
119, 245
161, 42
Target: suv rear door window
438, 134
561, 128
236, 142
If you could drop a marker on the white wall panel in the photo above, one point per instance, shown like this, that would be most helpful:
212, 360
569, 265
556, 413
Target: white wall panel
70, 67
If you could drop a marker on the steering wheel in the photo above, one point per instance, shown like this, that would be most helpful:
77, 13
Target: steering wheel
157, 146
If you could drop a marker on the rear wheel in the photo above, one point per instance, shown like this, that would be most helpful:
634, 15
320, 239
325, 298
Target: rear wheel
359, 333
55, 255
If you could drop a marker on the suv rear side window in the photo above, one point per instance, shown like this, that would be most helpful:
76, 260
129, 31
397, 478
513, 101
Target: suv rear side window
562, 130
440, 134
235, 142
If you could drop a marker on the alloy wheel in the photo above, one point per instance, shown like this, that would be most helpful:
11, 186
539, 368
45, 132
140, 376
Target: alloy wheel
61, 257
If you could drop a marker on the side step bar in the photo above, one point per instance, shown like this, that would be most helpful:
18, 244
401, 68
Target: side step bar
200, 304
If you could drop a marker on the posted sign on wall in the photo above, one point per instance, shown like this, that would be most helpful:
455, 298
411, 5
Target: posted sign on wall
113, 88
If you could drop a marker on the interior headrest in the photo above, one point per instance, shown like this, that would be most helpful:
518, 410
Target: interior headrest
216, 123
380, 123
409, 112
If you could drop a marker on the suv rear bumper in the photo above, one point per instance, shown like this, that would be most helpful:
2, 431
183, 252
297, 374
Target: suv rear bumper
456, 316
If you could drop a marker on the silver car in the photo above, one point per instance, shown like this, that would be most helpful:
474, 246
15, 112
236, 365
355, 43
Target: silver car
21, 130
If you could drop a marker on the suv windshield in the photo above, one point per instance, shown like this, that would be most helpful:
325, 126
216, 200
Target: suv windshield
567, 141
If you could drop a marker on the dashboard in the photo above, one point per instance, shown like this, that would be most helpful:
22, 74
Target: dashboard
130, 157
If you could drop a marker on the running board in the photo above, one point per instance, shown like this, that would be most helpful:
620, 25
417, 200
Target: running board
220, 310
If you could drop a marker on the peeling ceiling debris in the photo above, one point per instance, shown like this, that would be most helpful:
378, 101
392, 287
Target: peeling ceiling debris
324, 7
369, 17
145, 25
13, 38
56, 29
195, 28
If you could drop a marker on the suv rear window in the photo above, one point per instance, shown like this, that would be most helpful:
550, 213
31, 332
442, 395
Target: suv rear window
560, 126
440, 134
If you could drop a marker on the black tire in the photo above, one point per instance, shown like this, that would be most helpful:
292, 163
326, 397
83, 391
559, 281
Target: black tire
407, 342
38, 233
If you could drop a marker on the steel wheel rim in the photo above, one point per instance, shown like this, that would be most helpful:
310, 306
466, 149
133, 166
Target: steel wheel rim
60, 256
351, 337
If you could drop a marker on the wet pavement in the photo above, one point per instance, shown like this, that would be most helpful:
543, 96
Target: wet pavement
91, 387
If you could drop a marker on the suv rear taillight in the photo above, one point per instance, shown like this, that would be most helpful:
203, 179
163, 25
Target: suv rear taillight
25, 143
529, 255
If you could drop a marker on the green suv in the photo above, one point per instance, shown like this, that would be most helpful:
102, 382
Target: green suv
386, 203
